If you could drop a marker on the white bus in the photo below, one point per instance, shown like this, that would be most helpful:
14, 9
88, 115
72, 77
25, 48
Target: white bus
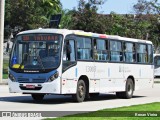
157, 65
78, 63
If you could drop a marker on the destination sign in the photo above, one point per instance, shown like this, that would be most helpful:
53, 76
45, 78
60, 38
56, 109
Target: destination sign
39, 37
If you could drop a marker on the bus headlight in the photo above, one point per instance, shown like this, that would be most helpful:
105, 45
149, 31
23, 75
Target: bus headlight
53, 77
12, 78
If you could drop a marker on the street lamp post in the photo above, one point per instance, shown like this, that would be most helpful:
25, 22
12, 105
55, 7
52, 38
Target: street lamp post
2, 2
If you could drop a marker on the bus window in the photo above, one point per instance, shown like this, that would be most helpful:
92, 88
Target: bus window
116, 51
84, 47
36, 52
68, 54
157, 65
157, 61
150, 54
129, 52
101, 49
142, 53
68, 51
52, 49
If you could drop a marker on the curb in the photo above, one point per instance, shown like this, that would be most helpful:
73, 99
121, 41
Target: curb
156, 80
4, 82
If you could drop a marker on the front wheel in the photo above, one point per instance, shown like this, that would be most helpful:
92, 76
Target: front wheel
129, 90
38, 97
81, 91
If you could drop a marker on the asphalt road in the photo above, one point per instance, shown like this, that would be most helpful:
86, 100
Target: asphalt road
20, 102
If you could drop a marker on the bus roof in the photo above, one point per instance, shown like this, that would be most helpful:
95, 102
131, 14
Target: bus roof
82, 33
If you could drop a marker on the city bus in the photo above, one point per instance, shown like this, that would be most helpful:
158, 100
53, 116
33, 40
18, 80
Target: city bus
157, 65
78, 63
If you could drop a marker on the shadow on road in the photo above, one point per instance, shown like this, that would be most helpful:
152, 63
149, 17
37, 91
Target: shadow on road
58, 99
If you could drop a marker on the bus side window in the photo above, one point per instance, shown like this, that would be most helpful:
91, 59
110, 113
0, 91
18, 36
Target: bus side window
116, 51
142, 53
84, 48
101, 50
129, 52
69, 50
69, 56
150, 54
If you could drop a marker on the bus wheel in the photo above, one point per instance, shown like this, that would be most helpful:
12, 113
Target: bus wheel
81, 91
129, 90
38, 97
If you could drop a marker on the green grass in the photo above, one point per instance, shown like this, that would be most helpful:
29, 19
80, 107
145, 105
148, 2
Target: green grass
5, 76
119, 112
5, 69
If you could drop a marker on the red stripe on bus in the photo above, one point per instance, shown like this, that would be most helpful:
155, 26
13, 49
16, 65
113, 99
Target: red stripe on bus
103, 36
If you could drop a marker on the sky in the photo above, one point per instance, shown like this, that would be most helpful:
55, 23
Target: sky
117, 6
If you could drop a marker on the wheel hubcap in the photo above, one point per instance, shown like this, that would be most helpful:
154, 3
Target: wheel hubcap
81, 90
129, 89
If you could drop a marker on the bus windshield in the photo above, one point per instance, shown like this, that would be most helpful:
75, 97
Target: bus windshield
36, 52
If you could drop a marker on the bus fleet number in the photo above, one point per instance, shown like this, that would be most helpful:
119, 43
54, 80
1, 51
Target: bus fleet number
90, 68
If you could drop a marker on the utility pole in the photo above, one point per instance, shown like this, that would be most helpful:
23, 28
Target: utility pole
2, 2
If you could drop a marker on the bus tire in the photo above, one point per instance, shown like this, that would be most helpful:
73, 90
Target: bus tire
129, 90
37, 97
81, 92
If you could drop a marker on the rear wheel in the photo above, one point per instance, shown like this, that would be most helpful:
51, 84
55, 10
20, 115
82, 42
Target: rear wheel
38, 97
81, 91
129, 90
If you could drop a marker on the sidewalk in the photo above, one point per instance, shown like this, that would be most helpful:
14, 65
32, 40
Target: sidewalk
4, 82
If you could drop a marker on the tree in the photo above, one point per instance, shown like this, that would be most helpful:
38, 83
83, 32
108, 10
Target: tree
86, 17
30, 14
151, 10
66, 20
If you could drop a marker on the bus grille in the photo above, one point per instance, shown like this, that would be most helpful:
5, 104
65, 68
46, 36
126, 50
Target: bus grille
27, 80
36, 88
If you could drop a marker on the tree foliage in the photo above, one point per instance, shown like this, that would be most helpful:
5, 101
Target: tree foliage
30, 14
66, 21
151, 10
86, 17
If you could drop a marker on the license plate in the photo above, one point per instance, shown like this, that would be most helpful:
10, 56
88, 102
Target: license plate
30, 86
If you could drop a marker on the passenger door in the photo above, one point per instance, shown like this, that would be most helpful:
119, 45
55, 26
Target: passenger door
69, 55
68, 83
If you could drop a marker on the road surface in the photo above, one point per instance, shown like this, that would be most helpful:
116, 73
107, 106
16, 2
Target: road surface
20, 102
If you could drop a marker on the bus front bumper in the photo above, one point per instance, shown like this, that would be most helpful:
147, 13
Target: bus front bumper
46, 88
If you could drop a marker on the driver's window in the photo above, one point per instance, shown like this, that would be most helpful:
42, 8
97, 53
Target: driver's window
68, 54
